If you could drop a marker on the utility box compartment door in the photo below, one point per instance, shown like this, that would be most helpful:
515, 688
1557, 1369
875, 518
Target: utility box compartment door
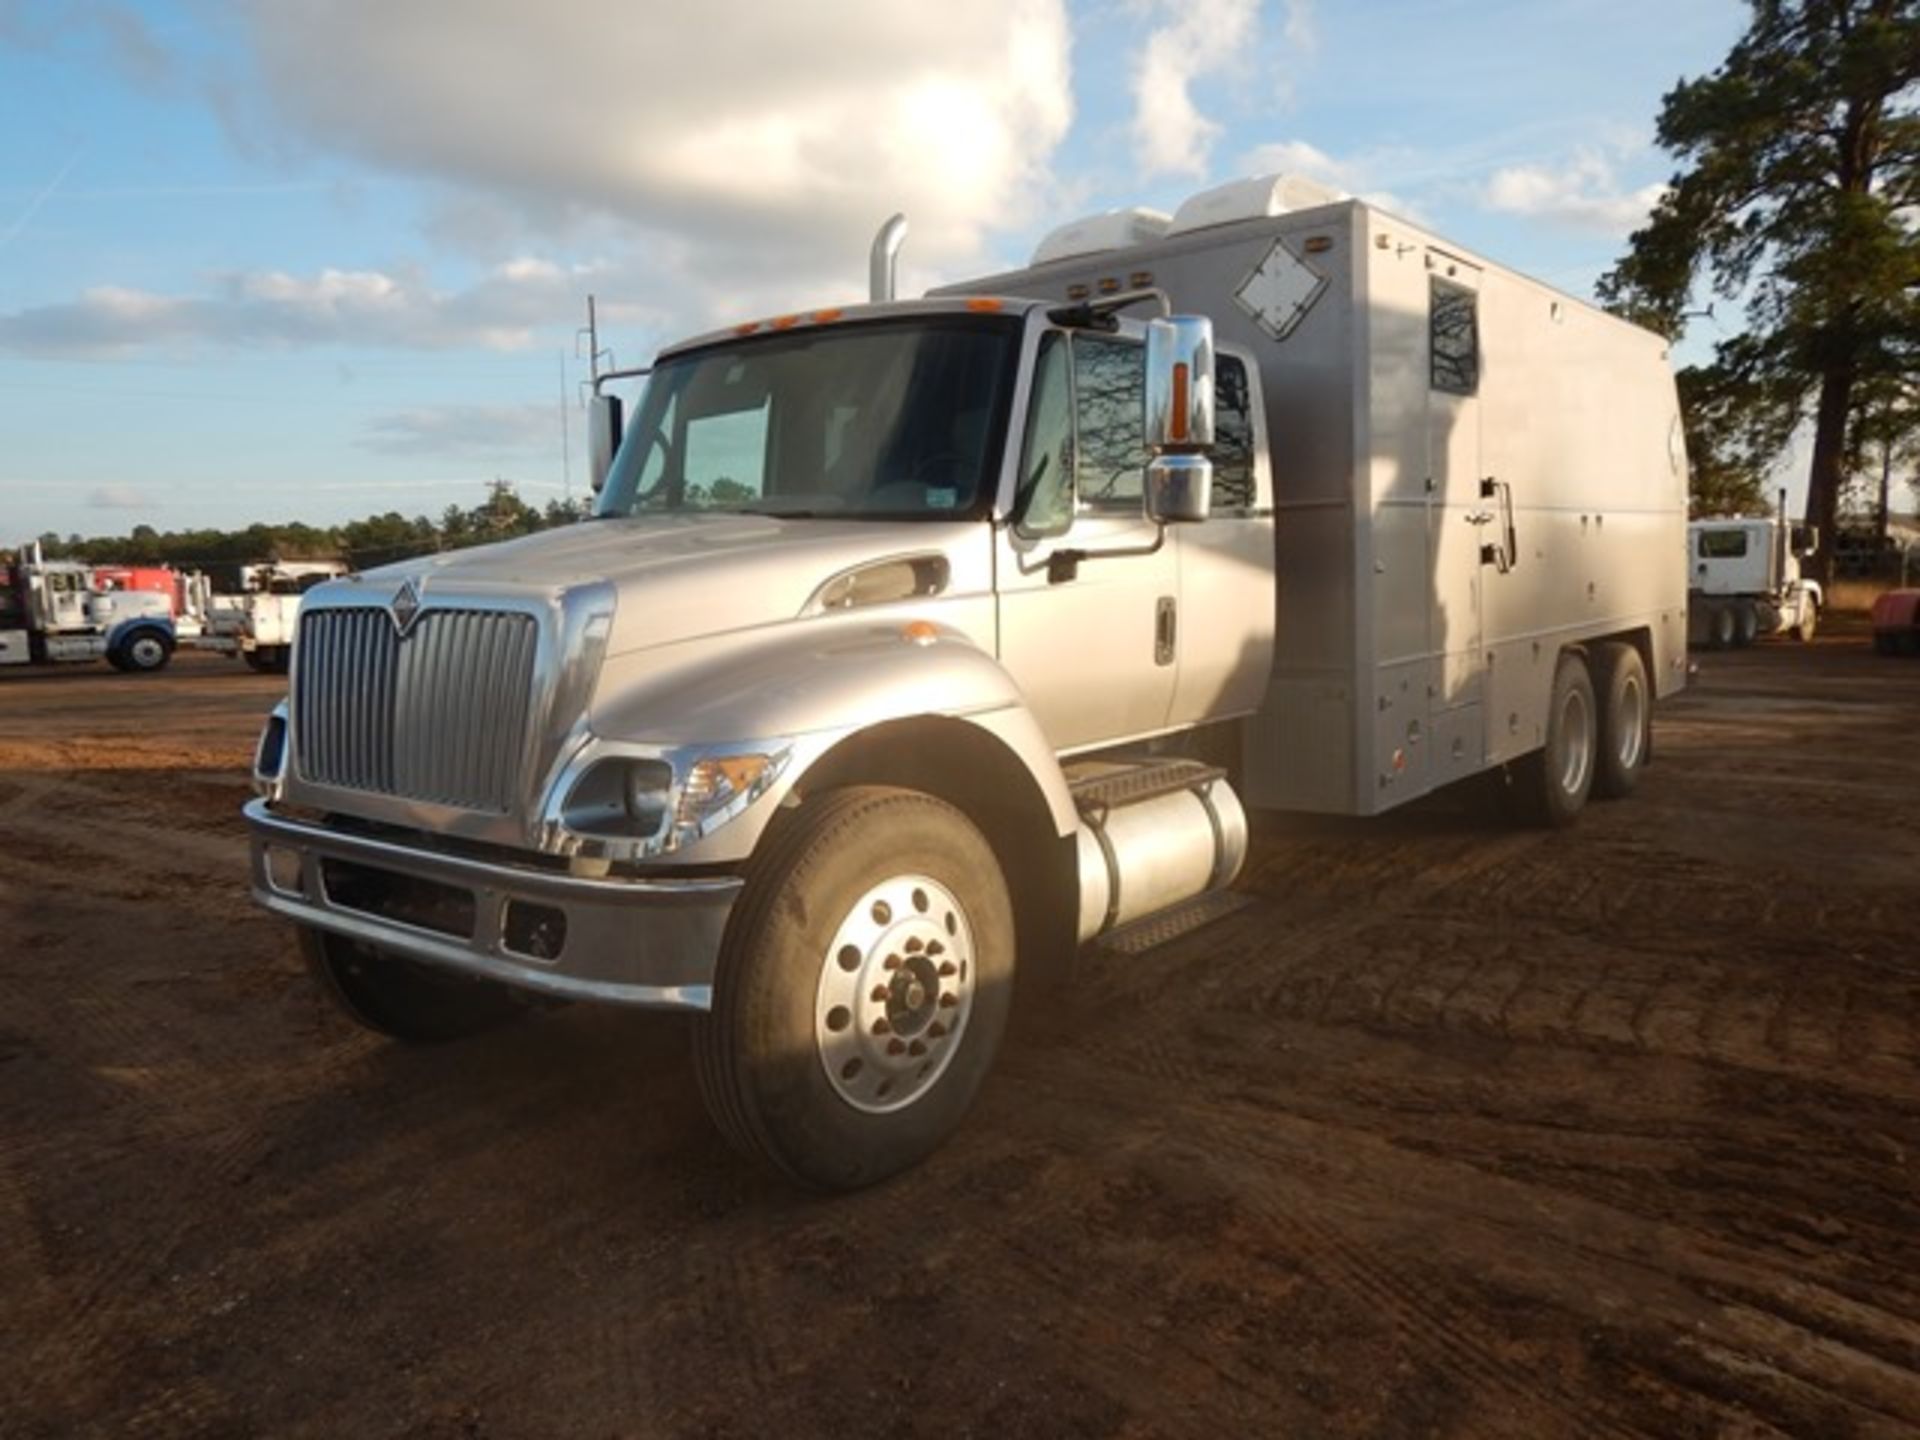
1461, 520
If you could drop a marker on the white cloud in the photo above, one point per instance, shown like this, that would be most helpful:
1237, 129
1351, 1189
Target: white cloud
1585, 193
465, 431
1171, 136
501, 310
1366, 175
117, 497
757, 127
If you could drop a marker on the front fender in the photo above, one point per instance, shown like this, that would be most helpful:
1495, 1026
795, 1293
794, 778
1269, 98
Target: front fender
812, 685
122, 630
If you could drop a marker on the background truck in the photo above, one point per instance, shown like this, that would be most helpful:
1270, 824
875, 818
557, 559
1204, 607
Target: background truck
1746, 580
54, 611
913, 644
260, 617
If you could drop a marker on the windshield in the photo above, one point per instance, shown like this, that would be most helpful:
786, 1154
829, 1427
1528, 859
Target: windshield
897, 418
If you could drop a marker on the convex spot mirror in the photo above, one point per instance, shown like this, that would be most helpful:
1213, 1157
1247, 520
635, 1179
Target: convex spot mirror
1179, 419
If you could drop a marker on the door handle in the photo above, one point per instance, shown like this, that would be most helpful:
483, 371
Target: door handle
1164, 631
1480, 517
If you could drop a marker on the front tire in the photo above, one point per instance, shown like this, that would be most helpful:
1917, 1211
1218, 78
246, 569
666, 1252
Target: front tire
144, 651
1550, 787
1809, 620
1626, 719
403, 999
862, 988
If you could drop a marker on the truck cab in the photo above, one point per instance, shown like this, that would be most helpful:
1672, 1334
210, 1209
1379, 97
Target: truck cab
1745, 580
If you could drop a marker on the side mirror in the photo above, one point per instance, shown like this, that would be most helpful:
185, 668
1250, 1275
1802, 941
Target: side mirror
603, 437
1179, 419
1806, 540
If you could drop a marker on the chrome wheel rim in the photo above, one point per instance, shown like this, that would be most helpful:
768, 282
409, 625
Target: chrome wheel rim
896, 990
1632, 711
146, 652
1576, 741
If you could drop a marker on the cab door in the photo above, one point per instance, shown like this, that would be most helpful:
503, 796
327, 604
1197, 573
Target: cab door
1091, 642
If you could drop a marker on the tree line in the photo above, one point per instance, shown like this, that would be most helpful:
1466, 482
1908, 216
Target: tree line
374, 540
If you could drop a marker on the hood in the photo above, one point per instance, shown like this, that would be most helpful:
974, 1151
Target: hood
678, 577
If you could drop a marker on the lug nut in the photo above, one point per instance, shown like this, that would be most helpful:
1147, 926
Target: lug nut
880, 1026
879, 995
896, 1047
948, 1001
916, 1048
947, 967
892, 962
936, 1031
913, 945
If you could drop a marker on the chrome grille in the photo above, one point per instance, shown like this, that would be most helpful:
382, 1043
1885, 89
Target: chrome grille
439, 716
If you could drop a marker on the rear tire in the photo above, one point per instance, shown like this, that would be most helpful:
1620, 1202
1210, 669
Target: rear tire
401, 998
1746, 624
1626, 719
862, 988
1720, 628
1550, 787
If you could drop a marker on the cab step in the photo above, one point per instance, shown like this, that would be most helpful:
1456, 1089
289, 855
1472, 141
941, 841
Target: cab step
1098, 785
1165, 926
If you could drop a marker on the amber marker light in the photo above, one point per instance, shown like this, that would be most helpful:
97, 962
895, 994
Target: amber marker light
1177, 428
985, 305
920, 632
786, 322
825, 317
746, 327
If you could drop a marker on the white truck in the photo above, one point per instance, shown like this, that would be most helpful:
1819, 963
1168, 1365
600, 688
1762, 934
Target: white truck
260, 619
913, 644
1746, 579
52, 612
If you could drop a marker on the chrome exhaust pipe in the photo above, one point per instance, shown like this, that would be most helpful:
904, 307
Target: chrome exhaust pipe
882, 263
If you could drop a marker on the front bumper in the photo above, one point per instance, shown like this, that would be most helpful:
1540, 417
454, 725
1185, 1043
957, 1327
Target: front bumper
650, 942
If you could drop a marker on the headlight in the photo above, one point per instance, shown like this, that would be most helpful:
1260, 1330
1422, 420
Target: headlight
665, 802
717, 787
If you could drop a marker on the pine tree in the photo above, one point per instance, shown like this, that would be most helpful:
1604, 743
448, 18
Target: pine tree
1797, 195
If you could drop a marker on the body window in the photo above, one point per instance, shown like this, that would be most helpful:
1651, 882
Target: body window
1454, 339
1722, 544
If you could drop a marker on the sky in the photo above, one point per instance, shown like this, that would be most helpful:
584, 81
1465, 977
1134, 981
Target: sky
271, 260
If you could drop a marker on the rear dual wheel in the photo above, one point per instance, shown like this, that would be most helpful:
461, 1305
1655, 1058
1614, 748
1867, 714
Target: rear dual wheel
862, 988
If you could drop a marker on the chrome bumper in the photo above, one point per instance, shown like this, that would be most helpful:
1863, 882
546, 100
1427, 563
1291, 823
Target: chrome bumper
632, 942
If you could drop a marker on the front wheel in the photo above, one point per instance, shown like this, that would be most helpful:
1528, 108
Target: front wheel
144, 650
402, 998
862, 988
1809, 620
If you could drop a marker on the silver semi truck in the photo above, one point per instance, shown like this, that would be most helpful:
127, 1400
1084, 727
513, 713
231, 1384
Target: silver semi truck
913, 644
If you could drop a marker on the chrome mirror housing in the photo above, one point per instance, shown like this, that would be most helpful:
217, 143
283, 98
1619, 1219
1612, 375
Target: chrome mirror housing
1179, 388
603, 437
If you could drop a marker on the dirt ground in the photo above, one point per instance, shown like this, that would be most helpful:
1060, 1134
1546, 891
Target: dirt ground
1452, 1131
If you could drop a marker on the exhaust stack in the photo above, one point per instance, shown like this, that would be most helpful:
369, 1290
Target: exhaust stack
884, 260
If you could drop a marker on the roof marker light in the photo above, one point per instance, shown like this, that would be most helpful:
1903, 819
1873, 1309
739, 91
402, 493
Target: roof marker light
985, 305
